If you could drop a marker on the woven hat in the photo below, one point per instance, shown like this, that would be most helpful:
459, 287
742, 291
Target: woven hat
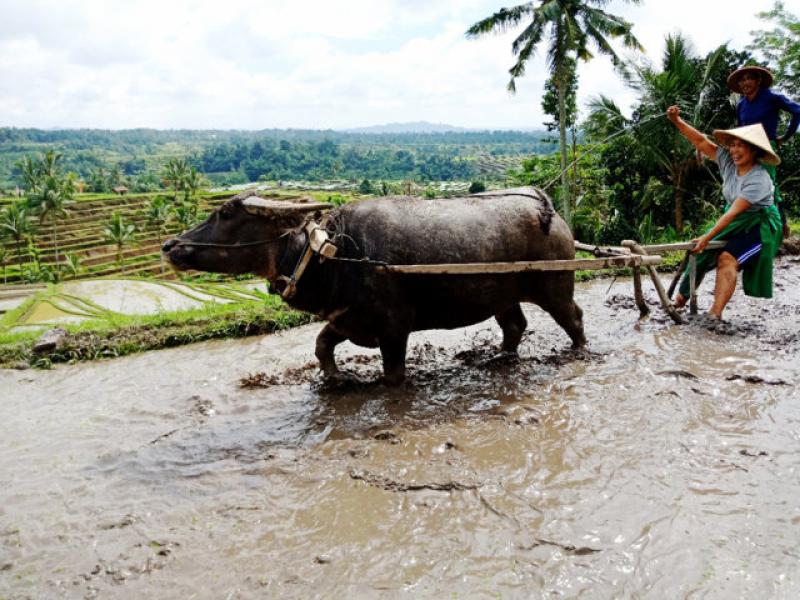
733, 78
753, 135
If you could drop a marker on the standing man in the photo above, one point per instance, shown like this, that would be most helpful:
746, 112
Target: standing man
759, 104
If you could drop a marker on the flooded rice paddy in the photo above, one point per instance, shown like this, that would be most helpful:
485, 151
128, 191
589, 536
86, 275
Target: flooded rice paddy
77, 301
663, 462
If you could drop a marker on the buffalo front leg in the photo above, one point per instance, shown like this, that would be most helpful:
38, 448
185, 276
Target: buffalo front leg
513, 324
393, 350
327, 340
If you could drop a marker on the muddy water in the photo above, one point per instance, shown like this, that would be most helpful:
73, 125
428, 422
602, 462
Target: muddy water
662, 463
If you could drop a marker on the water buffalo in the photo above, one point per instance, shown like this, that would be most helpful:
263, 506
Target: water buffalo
368, 305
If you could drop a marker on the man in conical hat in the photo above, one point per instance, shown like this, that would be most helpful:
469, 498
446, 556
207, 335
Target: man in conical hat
751, 224
759, 104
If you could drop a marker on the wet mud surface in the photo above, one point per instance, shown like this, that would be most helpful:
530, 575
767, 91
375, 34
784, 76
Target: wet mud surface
663, 461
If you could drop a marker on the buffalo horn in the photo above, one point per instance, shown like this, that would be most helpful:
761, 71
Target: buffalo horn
264, 207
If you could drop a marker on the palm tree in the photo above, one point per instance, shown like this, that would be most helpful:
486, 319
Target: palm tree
72, 264
572, 25
31, 173
185, 216
193, 182
118, 233
157, 214
685, 80
51, 198
16, 223
49, 163
174, 175
695, 84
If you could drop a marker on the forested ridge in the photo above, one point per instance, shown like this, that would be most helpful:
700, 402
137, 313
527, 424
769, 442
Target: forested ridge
236, 156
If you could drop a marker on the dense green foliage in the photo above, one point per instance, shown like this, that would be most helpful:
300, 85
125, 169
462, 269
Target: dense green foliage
637, 177
137, 158
780, 46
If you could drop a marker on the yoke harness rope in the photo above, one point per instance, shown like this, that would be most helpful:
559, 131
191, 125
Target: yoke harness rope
598, 144
237, 244
317, 242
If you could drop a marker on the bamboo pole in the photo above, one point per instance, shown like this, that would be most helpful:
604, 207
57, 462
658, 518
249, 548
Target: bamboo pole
693, 284
577, 264
678, 246
601, 250
678, 273
644, 310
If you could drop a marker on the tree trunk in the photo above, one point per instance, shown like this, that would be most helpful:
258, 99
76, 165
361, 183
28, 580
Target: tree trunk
55, 245
575, 177
566, 202
678, 184
119, 256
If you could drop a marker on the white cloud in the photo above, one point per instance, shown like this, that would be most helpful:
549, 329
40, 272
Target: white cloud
279, 63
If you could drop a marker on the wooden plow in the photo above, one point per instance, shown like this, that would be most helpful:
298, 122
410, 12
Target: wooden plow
628, 254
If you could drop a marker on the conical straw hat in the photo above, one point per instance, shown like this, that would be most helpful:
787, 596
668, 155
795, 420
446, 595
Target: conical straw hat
733, 78
752, 134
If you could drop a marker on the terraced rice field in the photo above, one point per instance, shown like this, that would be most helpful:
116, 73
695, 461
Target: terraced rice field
81, 233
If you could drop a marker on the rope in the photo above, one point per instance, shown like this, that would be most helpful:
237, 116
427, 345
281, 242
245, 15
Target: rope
236, 245
600, 143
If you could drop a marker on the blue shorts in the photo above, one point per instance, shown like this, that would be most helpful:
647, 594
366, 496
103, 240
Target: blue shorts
744, 246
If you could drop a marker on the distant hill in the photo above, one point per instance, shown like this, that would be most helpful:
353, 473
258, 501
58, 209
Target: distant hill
234, 157
411, 127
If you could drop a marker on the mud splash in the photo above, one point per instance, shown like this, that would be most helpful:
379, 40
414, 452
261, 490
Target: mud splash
662, 462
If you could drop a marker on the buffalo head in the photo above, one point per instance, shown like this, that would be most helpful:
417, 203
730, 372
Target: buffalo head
241, 236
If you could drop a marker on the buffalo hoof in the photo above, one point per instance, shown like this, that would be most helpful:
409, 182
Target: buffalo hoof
393, 379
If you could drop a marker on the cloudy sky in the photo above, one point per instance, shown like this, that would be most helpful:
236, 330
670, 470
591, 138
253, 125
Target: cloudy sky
255, 64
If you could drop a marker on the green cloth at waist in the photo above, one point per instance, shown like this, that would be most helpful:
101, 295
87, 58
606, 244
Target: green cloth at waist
757, 274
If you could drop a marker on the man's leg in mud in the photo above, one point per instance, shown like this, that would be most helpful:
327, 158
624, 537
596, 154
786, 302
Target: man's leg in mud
727, 270
393, 350
513, 324
327, 340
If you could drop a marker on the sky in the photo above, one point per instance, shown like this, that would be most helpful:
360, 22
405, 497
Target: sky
317, 64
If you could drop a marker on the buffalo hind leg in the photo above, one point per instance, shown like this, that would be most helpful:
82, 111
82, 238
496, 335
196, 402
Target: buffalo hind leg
393, 350
327, 340
513, 324
570, 317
